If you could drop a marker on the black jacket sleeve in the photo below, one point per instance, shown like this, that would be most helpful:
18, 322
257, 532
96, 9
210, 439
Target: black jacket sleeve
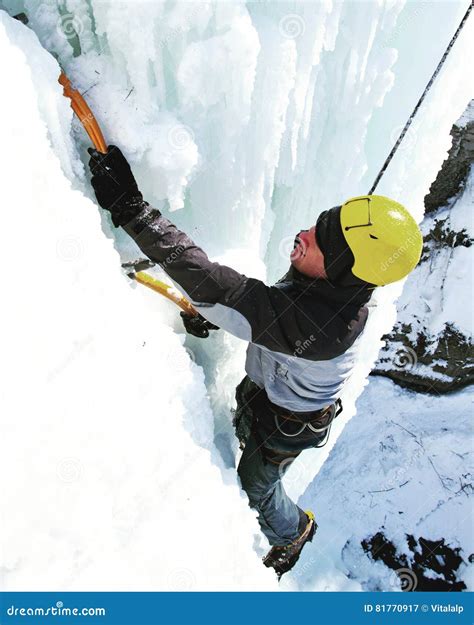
245, 307
185, 262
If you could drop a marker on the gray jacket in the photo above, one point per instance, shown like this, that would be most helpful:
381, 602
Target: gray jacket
302, 332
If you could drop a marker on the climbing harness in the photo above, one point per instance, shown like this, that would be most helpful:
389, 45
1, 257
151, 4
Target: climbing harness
329, 413
279, 434
420, 101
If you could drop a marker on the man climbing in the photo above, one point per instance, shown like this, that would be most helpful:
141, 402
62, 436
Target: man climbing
303, 331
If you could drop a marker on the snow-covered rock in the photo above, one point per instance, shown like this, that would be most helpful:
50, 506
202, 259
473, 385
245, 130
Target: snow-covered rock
403, 467
430, 347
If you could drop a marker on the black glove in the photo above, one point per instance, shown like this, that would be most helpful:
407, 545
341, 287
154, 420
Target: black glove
115, 186
197, 326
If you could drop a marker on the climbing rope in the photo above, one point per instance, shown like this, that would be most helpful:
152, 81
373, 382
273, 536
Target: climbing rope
420, 101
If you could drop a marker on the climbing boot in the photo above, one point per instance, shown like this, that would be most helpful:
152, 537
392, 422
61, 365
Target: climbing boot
283, 558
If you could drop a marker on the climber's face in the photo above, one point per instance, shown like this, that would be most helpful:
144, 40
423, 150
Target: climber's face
306, 256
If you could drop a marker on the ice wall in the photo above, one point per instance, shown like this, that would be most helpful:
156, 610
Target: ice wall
250, 119
103, 483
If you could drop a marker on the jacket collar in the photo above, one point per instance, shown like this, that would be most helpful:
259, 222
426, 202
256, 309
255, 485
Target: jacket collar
354, 294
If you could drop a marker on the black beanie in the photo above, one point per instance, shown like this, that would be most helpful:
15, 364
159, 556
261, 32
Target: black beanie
338, 257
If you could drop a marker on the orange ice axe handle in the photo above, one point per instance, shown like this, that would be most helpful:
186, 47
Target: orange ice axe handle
164, 289
85, 115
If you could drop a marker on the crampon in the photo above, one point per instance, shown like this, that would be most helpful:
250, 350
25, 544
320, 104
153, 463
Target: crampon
284, 558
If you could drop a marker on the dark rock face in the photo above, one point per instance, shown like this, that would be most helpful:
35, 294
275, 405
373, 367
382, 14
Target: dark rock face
427, 566
453, 174
441, 235
427, 351
446, 360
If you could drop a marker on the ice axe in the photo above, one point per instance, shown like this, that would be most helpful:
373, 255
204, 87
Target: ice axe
193, 322
135, 270
78, 105
85, 115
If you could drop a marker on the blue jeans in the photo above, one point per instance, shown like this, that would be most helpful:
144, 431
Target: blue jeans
279, 517
265, 460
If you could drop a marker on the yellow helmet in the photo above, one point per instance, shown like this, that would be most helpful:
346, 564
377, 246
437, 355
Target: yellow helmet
384, 238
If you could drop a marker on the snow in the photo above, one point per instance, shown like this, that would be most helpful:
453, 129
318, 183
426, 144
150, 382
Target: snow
402, 466
467, 116
245, 121
443, 283
103, 484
